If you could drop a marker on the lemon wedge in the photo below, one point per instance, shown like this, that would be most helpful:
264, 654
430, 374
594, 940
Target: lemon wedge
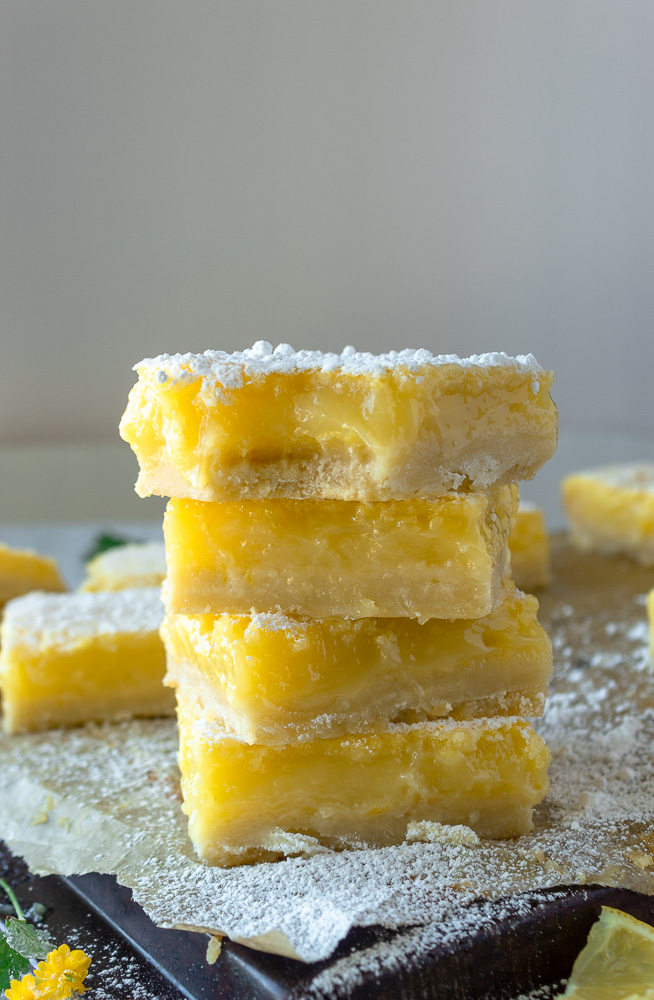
617, 962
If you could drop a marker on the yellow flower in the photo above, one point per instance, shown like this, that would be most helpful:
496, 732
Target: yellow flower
57, 978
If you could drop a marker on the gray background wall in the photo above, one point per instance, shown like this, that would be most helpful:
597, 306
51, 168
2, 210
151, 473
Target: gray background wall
463, 175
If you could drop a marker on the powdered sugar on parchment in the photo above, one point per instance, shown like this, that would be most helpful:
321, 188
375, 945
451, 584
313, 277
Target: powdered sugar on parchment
106, 798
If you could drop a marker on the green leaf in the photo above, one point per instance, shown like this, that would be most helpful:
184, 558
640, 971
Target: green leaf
12, 965
28, 940
103, 542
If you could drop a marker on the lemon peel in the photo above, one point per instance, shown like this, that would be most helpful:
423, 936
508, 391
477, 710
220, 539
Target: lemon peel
617, 962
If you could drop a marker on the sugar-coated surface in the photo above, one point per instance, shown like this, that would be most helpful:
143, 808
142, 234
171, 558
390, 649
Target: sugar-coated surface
633, 476
262, 359
38, 618
132, 560
290, 424
112, 800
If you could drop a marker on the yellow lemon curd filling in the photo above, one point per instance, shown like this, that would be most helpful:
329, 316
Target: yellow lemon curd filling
611, 510
22, 570
230, 429
441, 558
249, 802
529, 545
136, 565
274, 679
71, 658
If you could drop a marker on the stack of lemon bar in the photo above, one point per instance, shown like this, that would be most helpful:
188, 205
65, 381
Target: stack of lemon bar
349, 653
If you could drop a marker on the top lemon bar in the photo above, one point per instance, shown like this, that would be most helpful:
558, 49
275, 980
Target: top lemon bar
277, 422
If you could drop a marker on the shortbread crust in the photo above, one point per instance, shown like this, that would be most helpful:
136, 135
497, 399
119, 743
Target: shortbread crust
279, 423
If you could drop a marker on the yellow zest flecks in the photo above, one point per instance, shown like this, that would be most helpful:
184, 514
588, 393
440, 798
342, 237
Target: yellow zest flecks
58, 977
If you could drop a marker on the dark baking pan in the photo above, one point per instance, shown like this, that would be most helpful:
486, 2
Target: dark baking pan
518, 946
533, 947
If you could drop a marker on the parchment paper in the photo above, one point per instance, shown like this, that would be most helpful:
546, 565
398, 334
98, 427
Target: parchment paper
106, 799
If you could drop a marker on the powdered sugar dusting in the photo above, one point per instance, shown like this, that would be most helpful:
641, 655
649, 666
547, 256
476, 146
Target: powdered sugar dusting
39, 619
229, 370
633, 476
133, 560
399, 955
106, 798
275, 621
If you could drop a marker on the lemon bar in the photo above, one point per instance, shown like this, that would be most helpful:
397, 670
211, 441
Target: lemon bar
73, 658
245, 801
529, 545
306, 425
441, 558
274, 679
22, 570
124, 566
611, 510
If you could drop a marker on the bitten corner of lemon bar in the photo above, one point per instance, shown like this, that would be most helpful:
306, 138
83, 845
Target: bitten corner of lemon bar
218, 426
